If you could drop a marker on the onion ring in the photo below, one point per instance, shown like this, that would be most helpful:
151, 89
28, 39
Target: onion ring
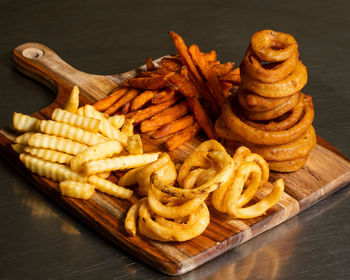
240, 155
221, 177
235, 198
223, 132
277, 125
192, 177
287, 166
173, 212
198, 159
239, 158
251, 171
253, 102
243, 154
209, 151
205, 176
131, 217
289, 85
261, 206
218, 195
298, 148
258, 136
163, 167
273, 46
261, 162
268, 74
275, 112
162, 229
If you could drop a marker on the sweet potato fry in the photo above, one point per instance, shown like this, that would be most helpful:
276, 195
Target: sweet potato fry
174, 57
192, 70
185, 56
208, 73
130, 95
226, 87
149, 64
212, 63
182, 137
210, 56
183, 85
223, 69
106, 102
184, 72
172, 64
163, 96
236, 71
142, 99
201, 117
168, 115
162, 71
174, 126
146, 113
232, 77
148, 82
144, 74
126, 108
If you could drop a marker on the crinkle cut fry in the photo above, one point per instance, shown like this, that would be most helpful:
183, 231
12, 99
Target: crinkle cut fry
25, 123
118, 163
76, 120
51, 170
55, 143
72, 103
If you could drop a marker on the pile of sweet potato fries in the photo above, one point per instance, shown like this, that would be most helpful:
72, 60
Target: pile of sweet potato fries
178, 97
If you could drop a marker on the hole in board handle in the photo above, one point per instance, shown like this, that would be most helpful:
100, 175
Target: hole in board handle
32, 53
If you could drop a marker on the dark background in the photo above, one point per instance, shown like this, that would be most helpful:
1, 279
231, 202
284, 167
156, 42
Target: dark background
38, 240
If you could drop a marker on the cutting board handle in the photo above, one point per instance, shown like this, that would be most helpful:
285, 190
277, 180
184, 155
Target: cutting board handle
44, 65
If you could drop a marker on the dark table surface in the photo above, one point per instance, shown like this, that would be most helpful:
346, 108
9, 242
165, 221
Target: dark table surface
39, 240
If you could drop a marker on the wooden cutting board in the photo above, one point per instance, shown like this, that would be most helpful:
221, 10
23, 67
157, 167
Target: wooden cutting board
326, 171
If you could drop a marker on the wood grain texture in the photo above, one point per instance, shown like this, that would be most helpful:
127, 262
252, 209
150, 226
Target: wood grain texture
326, 171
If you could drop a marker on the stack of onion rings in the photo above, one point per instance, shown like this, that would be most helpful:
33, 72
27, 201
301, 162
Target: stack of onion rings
270, 115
